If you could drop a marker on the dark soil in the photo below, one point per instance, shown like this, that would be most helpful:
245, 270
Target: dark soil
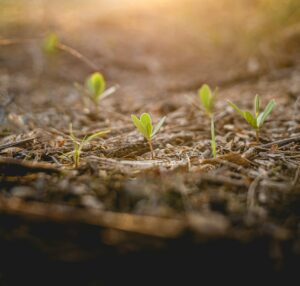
181, 217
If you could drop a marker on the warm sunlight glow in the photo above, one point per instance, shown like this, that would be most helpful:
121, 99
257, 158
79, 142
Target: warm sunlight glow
149, 142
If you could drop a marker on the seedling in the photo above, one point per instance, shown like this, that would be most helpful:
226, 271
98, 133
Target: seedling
207, 97
95, 87
79, 144
145, 127
257, 119
51, 43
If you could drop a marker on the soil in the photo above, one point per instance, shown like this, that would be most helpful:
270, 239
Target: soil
182, 216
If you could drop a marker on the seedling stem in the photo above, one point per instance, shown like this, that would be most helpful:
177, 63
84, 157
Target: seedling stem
151, 149
213, 136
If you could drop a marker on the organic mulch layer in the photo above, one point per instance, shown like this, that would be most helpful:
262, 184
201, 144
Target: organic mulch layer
178, 217
121, 207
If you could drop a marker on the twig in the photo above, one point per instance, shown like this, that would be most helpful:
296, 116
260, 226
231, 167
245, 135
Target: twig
139, 164
253, 150
220, 179
146, 225
284, 186
280, 142
17, 143
7, 42
14, 167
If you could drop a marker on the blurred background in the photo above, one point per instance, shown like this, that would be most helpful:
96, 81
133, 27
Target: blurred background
184, 41
156, 51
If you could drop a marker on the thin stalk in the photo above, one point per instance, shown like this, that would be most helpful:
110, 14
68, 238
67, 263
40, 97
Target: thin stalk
77, 55
151, 149
213, 137
60, 46
76, 159
257, 135
76, 156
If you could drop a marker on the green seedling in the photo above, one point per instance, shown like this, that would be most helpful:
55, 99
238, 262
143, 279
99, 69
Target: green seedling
207, 98
95, 86
257, 119
51, 43
80, 143
145, 127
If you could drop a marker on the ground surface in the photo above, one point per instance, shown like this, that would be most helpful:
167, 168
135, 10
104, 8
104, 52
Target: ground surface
233, 213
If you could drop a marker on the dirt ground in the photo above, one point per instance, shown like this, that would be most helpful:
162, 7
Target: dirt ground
120, 212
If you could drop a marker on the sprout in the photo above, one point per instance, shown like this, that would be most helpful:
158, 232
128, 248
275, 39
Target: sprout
145, 127
207, 97
257, 120
51, 43
79, 144
95, 86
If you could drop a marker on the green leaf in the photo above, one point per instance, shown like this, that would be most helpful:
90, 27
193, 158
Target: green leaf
263, 116
51, 42
236, 108
250, 119
72, 136
96, 85
206, 98
139, 125
245, 114
147, 122
95, 135
87, 139
158, 126
256, 104
109, 91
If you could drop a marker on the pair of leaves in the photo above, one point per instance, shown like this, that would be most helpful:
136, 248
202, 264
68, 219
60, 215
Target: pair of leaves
257, 120
207, 98
144, 125
95, 84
